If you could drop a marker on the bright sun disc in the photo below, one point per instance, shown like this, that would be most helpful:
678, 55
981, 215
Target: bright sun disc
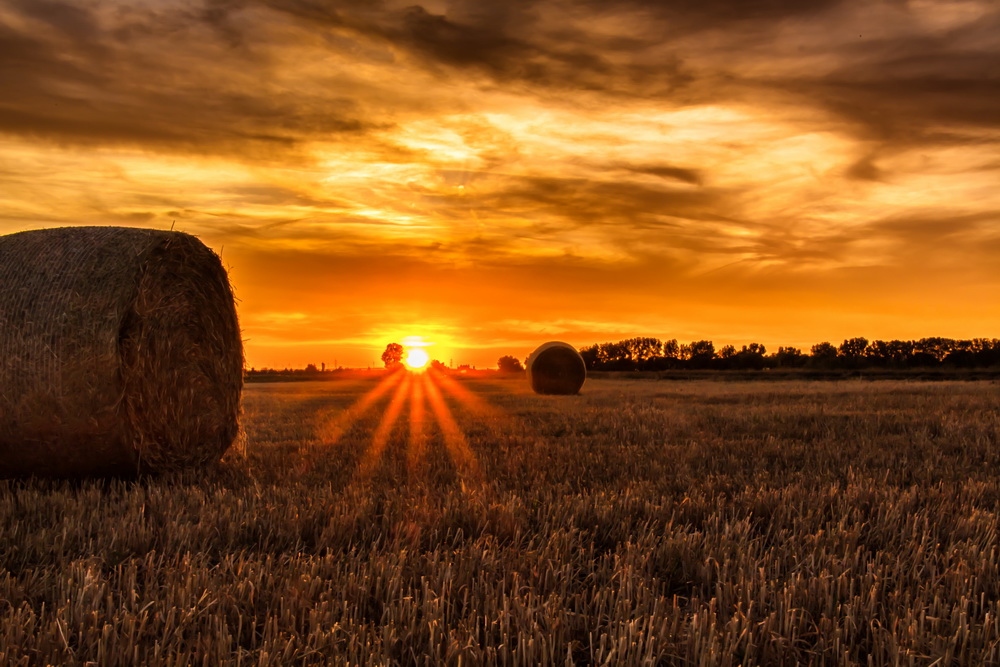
416, 358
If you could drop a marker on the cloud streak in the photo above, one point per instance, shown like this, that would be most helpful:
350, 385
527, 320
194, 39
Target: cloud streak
663, 158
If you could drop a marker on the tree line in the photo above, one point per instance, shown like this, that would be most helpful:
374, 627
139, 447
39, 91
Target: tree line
653, 354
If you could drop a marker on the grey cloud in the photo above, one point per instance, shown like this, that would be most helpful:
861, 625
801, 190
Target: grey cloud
206, 75
865, 169
72, 21
954, 239
514, 53
154, 80
670, 172
693, 14
517, 42
594, 201
911, 89
937, 231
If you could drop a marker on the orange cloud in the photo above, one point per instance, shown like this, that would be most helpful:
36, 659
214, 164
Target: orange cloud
488, 177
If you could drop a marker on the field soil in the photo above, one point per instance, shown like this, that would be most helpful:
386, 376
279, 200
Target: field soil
424, 519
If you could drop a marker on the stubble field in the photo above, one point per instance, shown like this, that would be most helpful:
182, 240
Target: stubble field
429, 520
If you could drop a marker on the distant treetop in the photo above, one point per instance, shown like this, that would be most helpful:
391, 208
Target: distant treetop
393, 355
852, 353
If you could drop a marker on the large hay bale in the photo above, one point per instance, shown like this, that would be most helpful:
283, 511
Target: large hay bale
556, 368
120, 353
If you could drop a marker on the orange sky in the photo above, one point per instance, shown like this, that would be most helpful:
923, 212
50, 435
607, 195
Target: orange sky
489, 176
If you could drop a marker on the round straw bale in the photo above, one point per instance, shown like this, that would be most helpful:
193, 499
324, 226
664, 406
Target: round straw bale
120, 353
556, 368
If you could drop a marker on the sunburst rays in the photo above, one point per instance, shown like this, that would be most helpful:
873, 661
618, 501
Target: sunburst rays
464, 396
423, 395
418, 431
454, 439
380, 438
331, 429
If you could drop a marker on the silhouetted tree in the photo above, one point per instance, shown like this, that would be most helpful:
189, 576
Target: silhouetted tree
961, 354
900, 352
667, 357
393, 355
852, 352
643, 348
935, 347
646, 353
725, 358
590, 356
751, 357
824, 355
438, 365
789, 357
987, 351
509, 364
853, 348
990, 354
921, 359
614, 356
893, 353
699, 353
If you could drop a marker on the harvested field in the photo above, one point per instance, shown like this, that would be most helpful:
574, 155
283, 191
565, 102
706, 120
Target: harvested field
641, 522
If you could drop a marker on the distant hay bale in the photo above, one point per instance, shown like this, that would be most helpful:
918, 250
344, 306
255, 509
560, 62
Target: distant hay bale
120, 353
556, 368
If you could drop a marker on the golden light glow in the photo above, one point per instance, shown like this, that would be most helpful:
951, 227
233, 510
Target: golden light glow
332, 427
416, 359
418, 434
381, 436
784, 182
413, 394
454, 439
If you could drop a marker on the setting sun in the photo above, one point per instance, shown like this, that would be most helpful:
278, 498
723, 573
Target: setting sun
416, 359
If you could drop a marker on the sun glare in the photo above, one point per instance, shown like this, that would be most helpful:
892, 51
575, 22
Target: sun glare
416, 358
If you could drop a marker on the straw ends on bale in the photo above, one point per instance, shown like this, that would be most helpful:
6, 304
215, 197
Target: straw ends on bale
556, 368
120, 353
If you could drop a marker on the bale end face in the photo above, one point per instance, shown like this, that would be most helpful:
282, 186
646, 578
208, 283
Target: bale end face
556, 368
182, 359
120, 352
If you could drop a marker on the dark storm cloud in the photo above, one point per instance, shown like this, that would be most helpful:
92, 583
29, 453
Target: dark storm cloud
153, 79
937, 237
509, 52
208, 75
539, 43
692, 176
516, 42
72, 21
926, 105
906, 88
699, 14
662, 213
220, 77
909, 88
594, 201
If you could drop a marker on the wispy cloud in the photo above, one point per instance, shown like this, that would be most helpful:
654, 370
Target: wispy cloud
687, 166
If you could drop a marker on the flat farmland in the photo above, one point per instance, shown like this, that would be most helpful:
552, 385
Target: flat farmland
423, 519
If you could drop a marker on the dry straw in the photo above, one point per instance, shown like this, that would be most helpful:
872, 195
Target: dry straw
556, 368
120, 352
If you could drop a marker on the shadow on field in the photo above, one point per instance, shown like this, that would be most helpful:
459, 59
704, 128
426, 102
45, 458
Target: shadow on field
767, 523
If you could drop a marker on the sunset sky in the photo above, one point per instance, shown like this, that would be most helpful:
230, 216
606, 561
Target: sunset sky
492, 175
